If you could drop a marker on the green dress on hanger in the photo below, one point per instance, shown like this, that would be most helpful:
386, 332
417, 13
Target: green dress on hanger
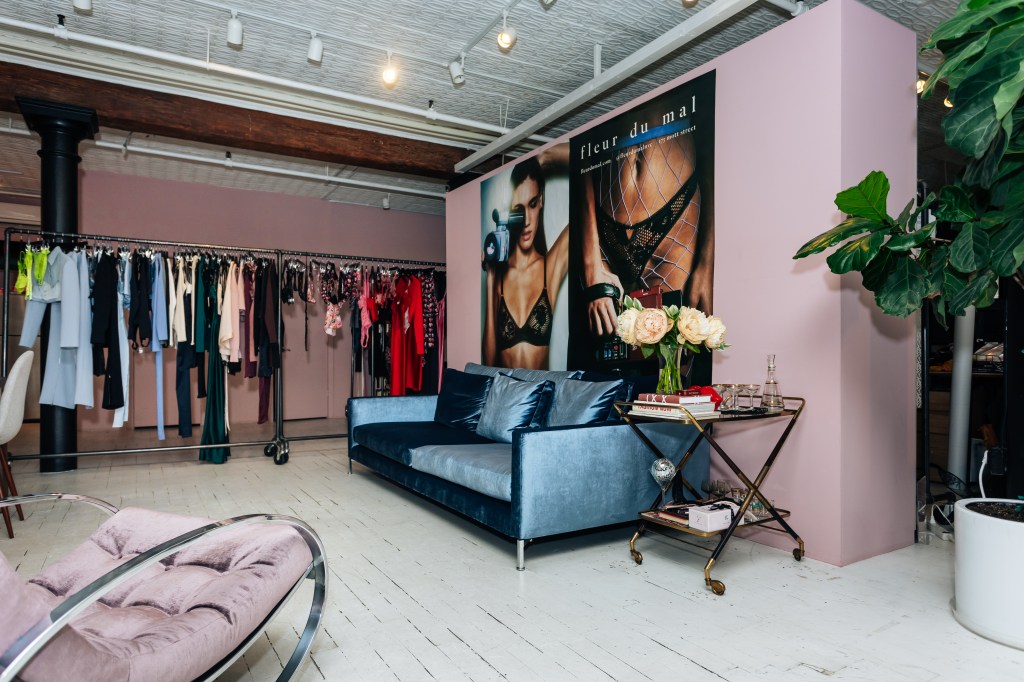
215, 425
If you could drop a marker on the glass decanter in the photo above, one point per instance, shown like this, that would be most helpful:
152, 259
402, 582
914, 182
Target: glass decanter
771, 395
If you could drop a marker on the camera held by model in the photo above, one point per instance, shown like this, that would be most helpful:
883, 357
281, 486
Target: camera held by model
497, 242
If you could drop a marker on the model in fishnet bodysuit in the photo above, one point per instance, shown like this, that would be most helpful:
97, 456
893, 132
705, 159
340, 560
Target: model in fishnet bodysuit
642, 196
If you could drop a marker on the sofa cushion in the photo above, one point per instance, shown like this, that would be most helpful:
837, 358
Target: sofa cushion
545, 374
461, 399
486, 468
396, 439
486, 370
577, 403
512, 404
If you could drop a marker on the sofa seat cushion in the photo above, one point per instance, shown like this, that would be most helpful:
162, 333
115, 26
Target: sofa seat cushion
485, 468
396, 439
178, 617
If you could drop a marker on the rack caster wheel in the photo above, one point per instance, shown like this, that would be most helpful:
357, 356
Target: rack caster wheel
637, 556
718, 587
281, 457
270, 449
798, 554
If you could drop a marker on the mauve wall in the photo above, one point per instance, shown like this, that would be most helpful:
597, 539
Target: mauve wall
802, 112
316, 382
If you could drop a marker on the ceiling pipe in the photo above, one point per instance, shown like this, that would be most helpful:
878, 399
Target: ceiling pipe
61, 33
233, 164
671, 40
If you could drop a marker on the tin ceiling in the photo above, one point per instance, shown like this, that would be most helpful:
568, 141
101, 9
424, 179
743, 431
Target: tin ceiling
158, 43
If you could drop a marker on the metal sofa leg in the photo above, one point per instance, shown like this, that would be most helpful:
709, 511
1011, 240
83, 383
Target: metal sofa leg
520, 555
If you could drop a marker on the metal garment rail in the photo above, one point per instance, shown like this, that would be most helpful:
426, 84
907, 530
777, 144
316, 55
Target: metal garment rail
343, 257
278, 447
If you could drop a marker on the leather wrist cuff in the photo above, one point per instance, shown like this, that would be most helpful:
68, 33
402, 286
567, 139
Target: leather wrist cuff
602, 290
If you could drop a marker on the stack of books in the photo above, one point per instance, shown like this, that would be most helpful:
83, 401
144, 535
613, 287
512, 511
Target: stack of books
671, 406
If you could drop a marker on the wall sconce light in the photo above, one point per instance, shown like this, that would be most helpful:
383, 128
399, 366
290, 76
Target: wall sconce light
457, 69
390, 74
506, 36
235, 30
315, 53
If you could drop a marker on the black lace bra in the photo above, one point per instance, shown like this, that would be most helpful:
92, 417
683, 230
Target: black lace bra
628, 255
536, 331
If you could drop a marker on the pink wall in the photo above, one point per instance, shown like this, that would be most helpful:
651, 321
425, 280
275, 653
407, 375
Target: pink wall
802, 112
316, 382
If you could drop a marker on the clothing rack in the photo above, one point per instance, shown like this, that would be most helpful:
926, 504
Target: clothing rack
278, 447
360, 259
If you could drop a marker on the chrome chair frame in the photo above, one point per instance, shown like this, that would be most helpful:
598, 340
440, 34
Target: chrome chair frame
26, 646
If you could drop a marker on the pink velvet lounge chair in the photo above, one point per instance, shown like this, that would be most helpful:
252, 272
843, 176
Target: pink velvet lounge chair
156, 596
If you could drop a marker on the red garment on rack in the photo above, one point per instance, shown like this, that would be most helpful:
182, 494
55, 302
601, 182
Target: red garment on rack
407, 336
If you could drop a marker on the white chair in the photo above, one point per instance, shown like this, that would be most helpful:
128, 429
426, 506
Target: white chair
12, 414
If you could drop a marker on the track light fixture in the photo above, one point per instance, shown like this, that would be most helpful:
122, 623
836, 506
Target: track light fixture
82, 5
390, 73
506, 36
948, 102
919, 86
235, 30
316, 49
457, 69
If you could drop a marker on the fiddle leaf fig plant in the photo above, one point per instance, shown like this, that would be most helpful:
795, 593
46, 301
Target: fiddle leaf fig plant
903, 263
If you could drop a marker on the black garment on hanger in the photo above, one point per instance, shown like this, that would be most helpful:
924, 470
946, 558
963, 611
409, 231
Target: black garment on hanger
140, 324
106, 306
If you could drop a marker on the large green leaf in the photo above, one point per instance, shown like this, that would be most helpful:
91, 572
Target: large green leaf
952, 61
952, 285
936, 262
971, 249
904, 289
962, 23
857, 254
925, 204
879, 269
985, 171
911, 240
851, 227
988, 295
954, 205
1004, 243
971, 124
971, 293
903, 219
867, 198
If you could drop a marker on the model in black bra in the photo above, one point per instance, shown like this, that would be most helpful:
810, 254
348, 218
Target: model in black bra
536, 331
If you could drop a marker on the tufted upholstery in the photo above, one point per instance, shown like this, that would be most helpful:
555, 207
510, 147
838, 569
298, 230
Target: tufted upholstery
175, 620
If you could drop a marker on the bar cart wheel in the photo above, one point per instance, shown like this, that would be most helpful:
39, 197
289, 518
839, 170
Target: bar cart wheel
637, 556
281, 456
270, 449
798, 553
718, 587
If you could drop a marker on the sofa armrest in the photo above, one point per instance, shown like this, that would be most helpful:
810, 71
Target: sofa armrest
371, 410
572, 478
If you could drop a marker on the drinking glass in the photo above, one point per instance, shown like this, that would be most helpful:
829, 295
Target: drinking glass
751, 391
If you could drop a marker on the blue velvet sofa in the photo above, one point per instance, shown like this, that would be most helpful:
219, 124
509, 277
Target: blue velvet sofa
548, 481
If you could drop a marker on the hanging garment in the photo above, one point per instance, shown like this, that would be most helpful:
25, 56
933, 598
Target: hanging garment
56, 291
235, 313
214, 429
248, 357
407, 336
202, 316
194, 283
159, 337
106, 334
123, 305
172, 302
80, 337
227, 331
140, 324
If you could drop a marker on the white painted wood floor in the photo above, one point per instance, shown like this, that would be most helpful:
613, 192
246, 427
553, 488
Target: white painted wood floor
417, 593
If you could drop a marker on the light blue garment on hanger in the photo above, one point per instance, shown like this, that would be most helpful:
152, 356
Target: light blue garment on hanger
159, 336
59, 290
79, 336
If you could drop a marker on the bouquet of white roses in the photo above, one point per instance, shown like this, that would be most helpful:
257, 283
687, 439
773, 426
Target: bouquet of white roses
668, 331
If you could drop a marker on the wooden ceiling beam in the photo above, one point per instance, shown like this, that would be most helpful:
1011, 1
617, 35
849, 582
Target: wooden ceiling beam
186, 118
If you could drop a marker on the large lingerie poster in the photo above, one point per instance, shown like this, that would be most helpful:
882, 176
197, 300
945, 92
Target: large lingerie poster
641, 218
524, 213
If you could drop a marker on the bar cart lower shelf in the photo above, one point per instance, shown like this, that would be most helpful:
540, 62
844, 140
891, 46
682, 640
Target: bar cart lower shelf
672, 517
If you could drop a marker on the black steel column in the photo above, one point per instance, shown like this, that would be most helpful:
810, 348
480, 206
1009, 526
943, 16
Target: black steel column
61, 127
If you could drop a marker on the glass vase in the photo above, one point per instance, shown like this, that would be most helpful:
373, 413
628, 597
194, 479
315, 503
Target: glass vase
670, 378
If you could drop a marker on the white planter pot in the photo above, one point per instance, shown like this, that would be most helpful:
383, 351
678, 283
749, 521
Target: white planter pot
988, 599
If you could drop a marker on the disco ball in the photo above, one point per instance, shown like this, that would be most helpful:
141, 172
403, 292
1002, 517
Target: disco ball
663, 471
